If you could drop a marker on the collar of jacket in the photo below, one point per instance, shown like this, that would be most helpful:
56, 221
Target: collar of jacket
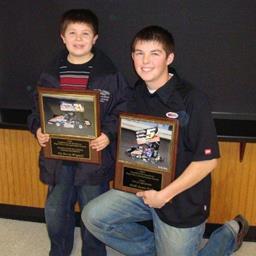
101, 62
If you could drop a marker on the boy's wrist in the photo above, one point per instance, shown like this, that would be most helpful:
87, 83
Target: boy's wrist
110, 136
167, 194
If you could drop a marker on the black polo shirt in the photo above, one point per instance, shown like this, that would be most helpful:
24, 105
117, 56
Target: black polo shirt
197, 142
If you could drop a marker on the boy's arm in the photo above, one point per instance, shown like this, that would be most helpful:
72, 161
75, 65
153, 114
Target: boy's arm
45, 80
118, 104
193, 174
33, 119
109, 124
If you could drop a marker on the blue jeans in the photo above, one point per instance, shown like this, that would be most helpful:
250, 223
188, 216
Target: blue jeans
113, 218
222, 242
60, 215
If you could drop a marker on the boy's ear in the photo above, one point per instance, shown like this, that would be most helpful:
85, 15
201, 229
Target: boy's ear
95, 38
170, 58
63, 38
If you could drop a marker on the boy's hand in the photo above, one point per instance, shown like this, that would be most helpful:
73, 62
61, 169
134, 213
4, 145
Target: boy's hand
100, 143
152, 198
42, 138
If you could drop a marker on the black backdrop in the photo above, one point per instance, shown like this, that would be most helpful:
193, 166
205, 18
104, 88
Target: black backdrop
216, 45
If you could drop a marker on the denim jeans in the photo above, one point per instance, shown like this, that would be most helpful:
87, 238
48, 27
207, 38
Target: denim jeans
113, 218
60, 215
222, 242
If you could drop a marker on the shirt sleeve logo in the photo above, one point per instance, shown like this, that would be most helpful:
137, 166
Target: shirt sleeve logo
207, 151
104, 95
172, 115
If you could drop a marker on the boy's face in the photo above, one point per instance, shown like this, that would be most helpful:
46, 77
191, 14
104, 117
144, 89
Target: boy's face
79, 39
151, 63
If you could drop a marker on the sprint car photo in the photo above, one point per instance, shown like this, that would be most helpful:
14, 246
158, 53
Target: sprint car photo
147, 148
69, 120
148, 152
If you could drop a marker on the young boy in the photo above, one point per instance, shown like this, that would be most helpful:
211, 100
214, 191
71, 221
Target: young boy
78, 67
180, 210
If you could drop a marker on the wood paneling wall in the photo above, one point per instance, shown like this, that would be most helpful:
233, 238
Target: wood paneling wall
233, 190
19, 176
234, 184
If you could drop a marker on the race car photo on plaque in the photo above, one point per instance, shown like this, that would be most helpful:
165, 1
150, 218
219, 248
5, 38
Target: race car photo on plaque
146, 152
71, 118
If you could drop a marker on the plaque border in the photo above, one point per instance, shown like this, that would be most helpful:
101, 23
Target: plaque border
84, 96
168, 174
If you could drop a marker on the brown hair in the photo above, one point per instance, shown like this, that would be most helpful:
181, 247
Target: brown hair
79, 16
155, 33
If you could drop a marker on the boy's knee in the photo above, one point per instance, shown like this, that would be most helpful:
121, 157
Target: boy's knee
89, 215
51, 211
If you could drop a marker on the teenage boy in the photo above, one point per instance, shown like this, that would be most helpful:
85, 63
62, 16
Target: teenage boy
78, 67
180, 210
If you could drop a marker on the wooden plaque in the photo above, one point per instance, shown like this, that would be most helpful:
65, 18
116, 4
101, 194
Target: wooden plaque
72, 119
146, 152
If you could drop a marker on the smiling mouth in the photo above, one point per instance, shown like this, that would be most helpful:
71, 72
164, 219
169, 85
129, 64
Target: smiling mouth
78, 46
146, 69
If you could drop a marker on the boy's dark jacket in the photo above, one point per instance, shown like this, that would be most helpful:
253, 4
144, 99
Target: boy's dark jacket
114, 95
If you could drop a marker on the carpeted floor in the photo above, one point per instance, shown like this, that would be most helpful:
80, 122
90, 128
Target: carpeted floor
22, 238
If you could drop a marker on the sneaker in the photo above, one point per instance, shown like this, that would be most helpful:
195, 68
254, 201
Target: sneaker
244, 227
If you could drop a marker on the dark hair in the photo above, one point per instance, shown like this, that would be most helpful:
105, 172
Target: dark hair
79, 16
155, 33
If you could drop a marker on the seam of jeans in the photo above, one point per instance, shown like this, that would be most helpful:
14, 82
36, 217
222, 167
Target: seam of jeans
231, 229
